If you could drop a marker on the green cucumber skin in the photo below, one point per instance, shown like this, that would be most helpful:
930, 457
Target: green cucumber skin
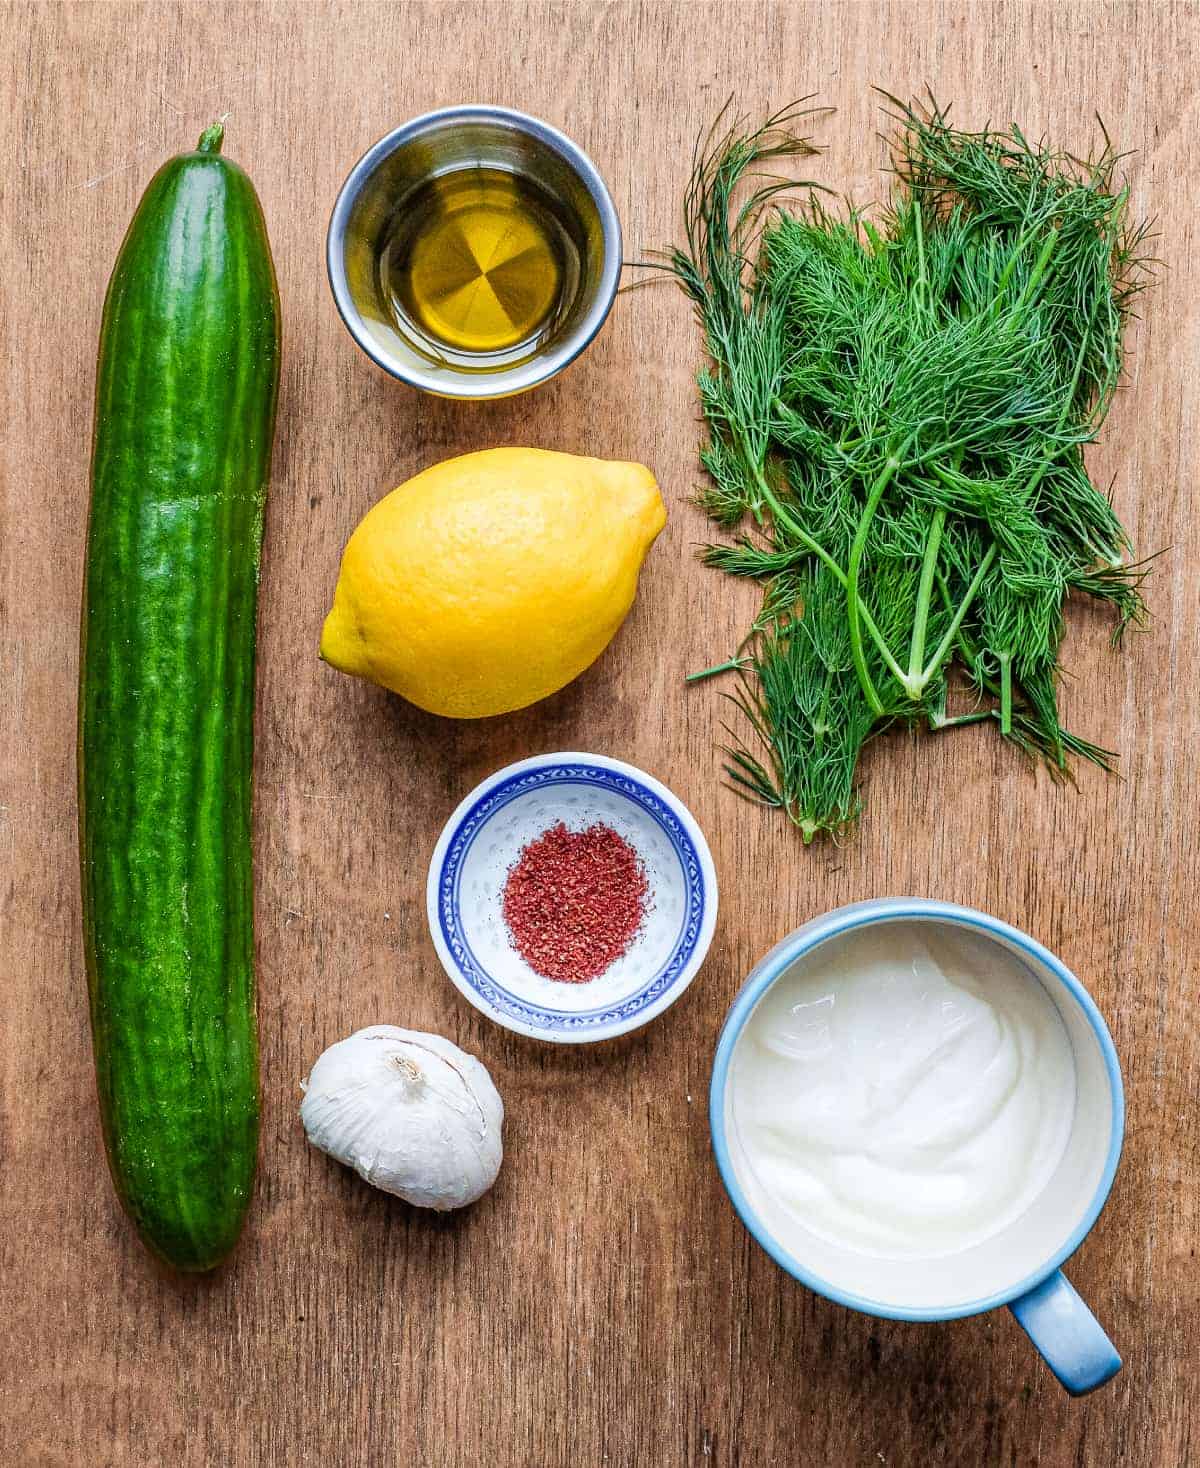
185, 408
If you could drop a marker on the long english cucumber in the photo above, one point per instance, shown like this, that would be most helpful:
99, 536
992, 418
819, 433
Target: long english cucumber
185, 411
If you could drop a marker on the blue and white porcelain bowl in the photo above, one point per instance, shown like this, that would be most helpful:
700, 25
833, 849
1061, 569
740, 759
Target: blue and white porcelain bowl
483, 839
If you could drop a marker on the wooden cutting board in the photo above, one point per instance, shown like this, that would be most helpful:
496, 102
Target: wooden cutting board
602, 1306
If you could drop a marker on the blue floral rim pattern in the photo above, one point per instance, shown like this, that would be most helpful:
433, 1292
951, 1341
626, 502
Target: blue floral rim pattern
450, 876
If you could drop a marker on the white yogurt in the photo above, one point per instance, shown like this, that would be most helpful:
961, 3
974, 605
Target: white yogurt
905, 1091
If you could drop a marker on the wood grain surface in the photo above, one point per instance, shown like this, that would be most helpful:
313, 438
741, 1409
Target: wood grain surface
602, 1305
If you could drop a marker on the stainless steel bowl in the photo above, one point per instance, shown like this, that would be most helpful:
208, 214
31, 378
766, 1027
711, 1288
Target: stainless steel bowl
438, 143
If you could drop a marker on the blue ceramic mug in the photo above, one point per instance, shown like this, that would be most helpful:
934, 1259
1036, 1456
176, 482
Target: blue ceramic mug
1020, 1266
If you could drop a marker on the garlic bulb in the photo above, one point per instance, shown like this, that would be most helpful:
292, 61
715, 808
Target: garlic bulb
411, 1113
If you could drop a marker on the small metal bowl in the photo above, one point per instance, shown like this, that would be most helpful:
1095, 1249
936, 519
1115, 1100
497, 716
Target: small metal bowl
484, 837
438, 143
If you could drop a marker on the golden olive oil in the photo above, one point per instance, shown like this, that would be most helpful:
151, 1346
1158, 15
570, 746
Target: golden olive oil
480, 267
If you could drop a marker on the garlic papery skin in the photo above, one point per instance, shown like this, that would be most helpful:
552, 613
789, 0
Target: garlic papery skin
411, 1113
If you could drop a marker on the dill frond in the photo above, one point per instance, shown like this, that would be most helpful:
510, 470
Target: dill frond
900, 404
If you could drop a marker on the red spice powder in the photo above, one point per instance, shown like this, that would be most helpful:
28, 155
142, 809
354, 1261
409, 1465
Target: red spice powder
574, 901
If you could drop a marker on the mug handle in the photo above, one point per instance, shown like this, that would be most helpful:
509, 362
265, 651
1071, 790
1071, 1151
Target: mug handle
1067, 1335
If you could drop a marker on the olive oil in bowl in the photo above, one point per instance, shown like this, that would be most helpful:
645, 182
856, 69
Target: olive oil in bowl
474, 252
480, 267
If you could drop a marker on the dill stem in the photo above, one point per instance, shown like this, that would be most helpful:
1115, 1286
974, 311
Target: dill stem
821, 725
1039, 270
922, 291
935, 662
916, 651
733, 665
959, 719
946, 448
1006, 690
782, 517
853, 606
1007, 273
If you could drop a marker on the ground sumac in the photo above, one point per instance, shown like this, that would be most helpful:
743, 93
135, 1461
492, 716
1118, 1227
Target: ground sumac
574, 901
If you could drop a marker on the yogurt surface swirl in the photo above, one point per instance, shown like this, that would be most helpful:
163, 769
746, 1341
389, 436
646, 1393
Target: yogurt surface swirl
905, 1090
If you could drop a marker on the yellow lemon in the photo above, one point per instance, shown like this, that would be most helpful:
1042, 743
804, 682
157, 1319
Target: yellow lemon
491, 580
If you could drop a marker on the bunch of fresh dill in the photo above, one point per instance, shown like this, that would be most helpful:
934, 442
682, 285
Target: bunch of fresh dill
900, 407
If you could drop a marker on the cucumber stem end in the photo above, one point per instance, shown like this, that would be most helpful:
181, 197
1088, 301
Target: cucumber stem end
211, 139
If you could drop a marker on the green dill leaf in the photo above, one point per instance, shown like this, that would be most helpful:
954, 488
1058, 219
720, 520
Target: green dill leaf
900, 405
